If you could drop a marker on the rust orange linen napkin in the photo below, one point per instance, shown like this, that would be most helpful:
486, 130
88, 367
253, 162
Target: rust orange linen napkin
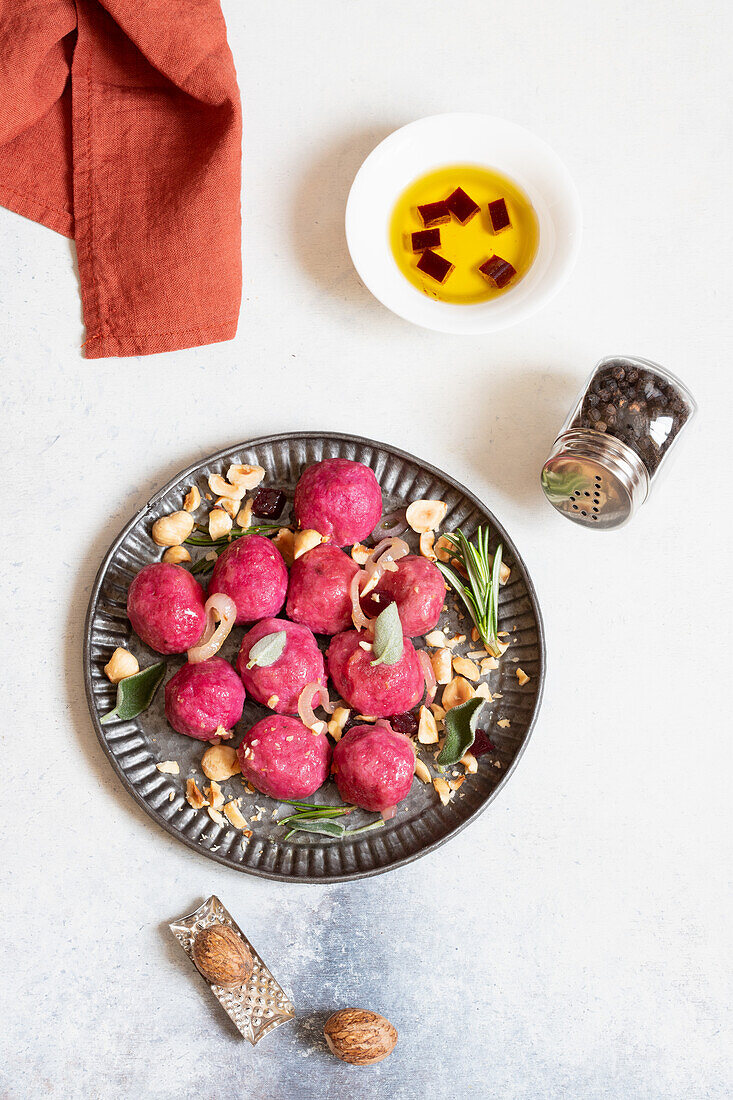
120, 125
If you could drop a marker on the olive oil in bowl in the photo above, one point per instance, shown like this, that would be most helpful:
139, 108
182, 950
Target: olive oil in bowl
450, 270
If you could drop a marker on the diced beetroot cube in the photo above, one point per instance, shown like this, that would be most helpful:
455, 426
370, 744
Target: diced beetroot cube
268, 503
499, 215
426, 238
434, 213
497, 271
406, 723
434, 266
462, 206
481, 744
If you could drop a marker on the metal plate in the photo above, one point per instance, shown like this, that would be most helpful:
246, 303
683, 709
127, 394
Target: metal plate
421, 822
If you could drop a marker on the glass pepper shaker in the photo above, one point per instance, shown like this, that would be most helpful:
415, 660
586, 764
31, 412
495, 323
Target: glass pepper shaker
614, 442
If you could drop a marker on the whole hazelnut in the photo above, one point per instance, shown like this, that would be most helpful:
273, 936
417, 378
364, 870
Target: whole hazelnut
221, 956
359, 1037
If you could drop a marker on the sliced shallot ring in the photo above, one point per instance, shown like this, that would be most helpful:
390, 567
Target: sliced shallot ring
385, 555
389, 813
431, 684
221, 614
305, 704
359, 619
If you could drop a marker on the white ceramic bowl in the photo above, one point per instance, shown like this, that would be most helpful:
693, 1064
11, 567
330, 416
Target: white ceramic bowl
441, 140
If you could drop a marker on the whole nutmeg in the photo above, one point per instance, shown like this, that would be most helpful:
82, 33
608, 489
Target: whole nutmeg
360, 1037
221, 956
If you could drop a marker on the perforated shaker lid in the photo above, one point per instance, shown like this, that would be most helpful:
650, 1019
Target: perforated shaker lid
594, 479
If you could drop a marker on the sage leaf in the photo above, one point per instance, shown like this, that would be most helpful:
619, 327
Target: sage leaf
322, 825
460, 731
135, 693
388, 637
267, 650
365, 828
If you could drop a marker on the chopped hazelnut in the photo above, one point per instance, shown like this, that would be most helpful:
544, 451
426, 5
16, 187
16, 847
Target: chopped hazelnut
469, 762
522, 676
504, 723
220, 762
273, 701
456, 692
443, 790
244, 515
463, 667
215, 815
360, 553
438, 712
194, 796
427, 540
192, 499
232, 811
214, 796
168, 767
483, 692
176, 555
220, 487
172, 530
339, 719
454, 784
422, 771
284, 540
305, 541
426, 515
220, 523
121, 664
229, 505
441, 662
435, 639
246, 477
489, 664
427, 731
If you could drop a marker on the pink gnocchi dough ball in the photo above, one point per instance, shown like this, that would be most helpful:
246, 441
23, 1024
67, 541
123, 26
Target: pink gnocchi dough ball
283, 758
376, 690
418, 589
252, 572
165, 606
280, 684
203, 697
318, 594
373, 766
340, 498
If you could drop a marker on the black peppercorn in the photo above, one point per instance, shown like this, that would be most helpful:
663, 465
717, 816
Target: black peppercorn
627, 402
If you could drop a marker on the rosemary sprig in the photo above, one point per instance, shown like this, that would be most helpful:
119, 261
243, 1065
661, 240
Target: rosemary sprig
203, 565
314, 818
481, 593
200, 536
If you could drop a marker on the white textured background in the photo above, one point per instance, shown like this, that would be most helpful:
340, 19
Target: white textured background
574, 942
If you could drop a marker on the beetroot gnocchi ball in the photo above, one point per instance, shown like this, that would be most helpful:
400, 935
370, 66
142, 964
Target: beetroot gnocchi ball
252, 572
299, 664
202, 697
373, 766
165, 605
417, 588
283, 758
318, 594
378, 690
339, 498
